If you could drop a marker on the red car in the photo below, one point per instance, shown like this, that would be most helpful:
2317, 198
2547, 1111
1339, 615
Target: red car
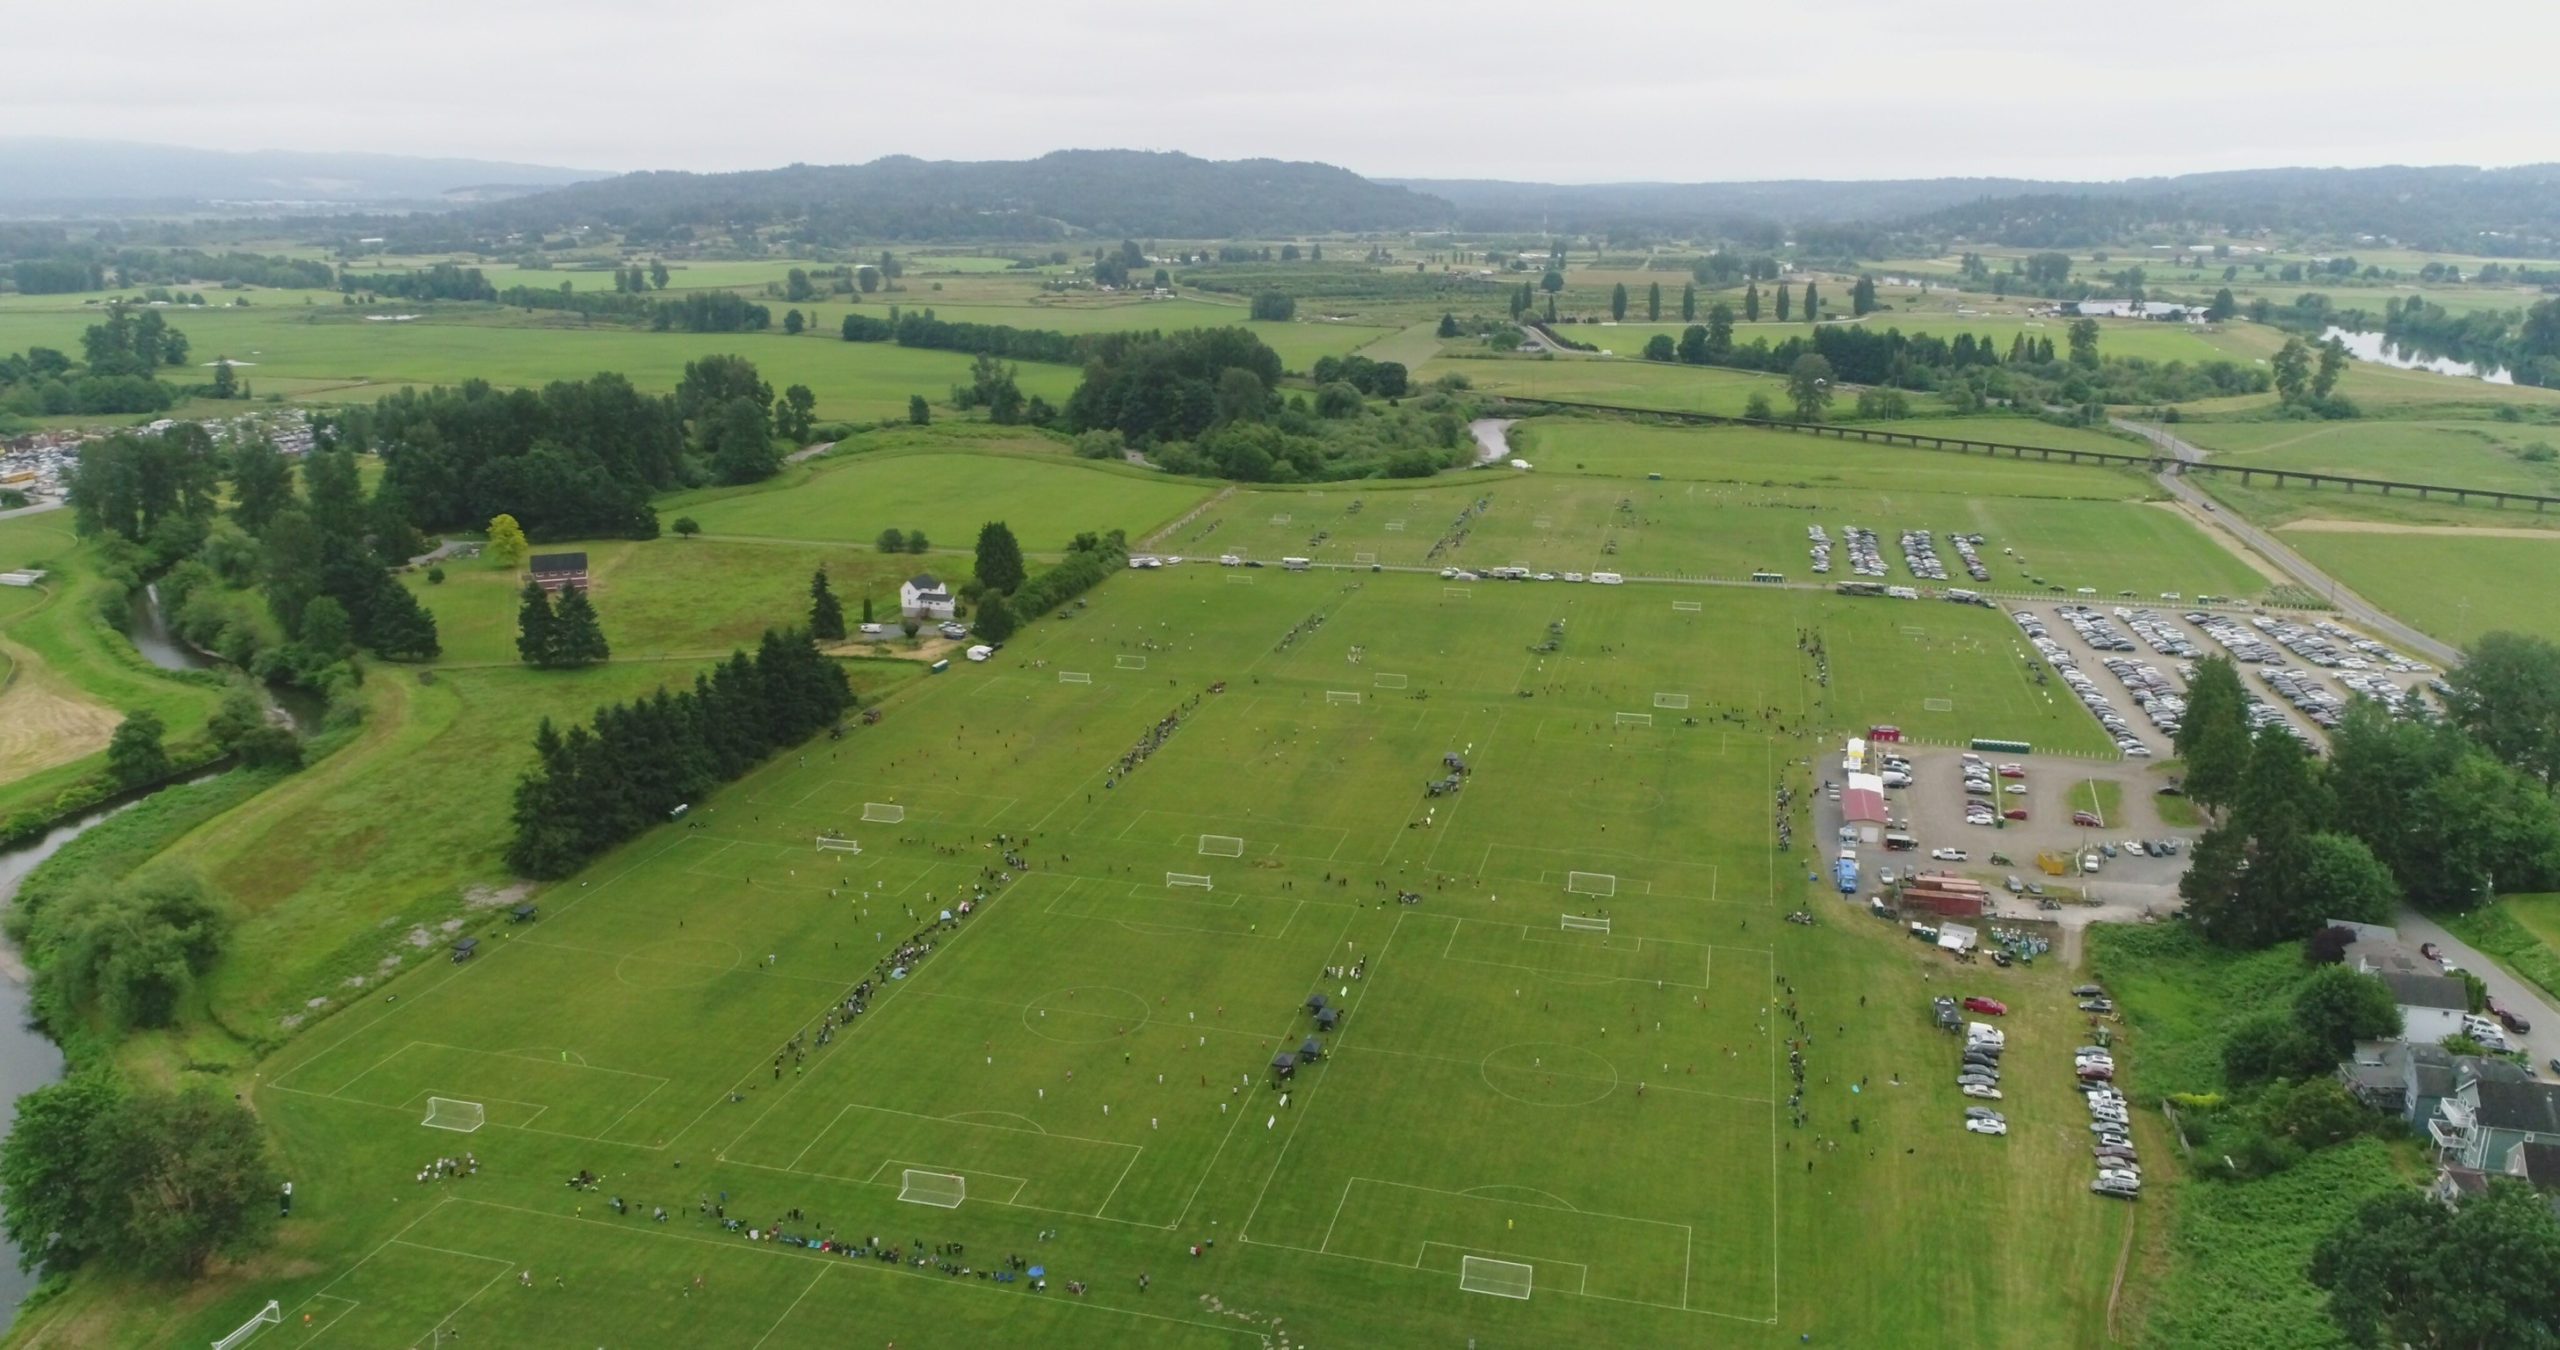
2016, 813
1992, 1006
2087, 820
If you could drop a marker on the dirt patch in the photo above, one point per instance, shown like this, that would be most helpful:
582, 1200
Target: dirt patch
2329, 525
497, 897
41, 727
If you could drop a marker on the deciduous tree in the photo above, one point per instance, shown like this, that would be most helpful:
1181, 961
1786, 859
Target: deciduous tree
507, 544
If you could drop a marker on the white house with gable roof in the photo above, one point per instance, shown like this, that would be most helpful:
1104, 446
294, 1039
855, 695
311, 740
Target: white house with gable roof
922, 597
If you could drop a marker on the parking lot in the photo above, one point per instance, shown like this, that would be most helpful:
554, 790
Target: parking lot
2131, 660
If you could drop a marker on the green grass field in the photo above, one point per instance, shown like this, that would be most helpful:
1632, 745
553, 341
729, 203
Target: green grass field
850, 499
2453, 586
2484, 453
1795, 459
641, 1027
1625, 381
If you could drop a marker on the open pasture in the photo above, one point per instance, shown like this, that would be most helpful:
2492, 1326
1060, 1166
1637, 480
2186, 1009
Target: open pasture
1798, 459
2451, 583
675, 1021
2483, 453
1048, 497
1622, 380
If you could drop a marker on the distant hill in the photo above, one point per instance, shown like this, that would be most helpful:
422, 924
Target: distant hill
1104, 193
40, 173
2457, 208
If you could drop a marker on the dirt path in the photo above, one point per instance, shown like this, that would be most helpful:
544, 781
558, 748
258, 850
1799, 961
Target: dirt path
2325, 525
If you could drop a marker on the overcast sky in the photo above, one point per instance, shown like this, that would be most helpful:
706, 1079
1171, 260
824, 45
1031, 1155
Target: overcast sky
1675, 90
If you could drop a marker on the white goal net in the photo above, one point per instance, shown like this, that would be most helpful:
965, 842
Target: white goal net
1222, 846
883, 813
942, 1190
1365, 559
1688, 606
1576, 923
1502, 1279
1627, 719
1075, 677
1239, 579
1280, 519
1187, 879
1342, 696
1456, 593
1390, 682
267, 1316
833, 843
1395, 527
1591, 883
1938, 704
1674, 701
1129, 663
448, 1113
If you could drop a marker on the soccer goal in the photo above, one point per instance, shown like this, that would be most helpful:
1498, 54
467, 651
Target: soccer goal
1075, 677
449, 1113
1126, 662
1395, 527
1364, 559
1576, 923
1938, 704
1390, 682
883, 813
1676, 701
1591, 883
1188, 879
836, 843
1342, 696
1456, 593
1688, 606
268, 1316
1626, 719
1222, 845
942, 1190
1280, 519
1502, 1279
1543, 523
1239, 579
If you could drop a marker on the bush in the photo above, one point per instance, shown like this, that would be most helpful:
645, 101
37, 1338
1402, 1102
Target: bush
435, 576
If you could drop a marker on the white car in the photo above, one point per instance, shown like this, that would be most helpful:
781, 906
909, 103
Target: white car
2016, 789
1947, 854
1884, 877
1573, 576
1979, 1126
1978, 1090
1229, 560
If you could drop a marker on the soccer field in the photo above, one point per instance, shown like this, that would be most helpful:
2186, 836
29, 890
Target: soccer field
1556, 1071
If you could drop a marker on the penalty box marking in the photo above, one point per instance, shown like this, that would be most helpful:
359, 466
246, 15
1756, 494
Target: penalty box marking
1688, 1235
1633, 946
902, 1164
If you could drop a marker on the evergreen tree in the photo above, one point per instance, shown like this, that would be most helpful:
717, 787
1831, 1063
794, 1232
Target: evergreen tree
1785, 300
826, 617
995, 621
1812, 304
1448, 325
577, 636
1618, 301
1653, 303
1689, 302
999, 565
537, 643
1751, 303
2213, 737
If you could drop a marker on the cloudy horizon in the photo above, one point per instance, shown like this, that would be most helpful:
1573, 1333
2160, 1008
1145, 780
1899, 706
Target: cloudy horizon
1856, 89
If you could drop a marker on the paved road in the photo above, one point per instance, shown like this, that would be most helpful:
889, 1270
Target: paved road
2354, 606
2543, 1042
55, 504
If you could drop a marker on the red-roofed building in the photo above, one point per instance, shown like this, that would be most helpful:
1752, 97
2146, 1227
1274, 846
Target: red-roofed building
1862, 807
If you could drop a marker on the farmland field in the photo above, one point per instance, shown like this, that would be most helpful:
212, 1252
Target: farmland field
2485, 454
851, 499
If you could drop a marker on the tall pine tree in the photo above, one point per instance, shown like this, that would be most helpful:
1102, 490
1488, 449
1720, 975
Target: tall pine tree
535, 643
826, 616
999, 558
577, 636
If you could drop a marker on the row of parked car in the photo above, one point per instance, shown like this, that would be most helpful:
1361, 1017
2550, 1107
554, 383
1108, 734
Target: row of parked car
1920, 554
2161, 635
1969, 548
2059, 659
1866, 556
1988, 792
1820, 539
2152, 692
2093, 1068
2374, 652
2308, 696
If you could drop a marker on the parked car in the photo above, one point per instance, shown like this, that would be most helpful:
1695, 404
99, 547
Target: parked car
1978, 1090
1982, 1113
2428, 950
2508, 1018
2087, 820
1987, 1126
1992, 1006
1947, 854
2013, 771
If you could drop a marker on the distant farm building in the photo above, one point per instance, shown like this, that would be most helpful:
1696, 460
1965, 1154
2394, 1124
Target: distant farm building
552, 571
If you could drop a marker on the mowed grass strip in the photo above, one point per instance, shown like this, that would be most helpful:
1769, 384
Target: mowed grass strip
2451, 585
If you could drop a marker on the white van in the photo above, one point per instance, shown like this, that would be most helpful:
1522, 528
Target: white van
1608, 579
981, 652
1294, 564
875, 630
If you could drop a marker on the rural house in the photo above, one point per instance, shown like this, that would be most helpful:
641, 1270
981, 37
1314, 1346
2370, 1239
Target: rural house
922, 597
2409, 1079
552, 571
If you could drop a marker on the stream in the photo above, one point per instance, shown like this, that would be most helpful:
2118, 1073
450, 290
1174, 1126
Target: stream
1493, 438
149, 629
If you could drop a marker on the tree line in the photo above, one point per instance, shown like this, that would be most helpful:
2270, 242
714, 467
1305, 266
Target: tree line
122, 360
604, 782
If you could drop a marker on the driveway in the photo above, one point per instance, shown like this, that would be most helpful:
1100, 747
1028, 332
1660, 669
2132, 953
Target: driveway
2540, 1044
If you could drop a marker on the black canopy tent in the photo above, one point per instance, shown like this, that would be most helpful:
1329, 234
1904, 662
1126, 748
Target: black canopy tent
1284, 1064
1312, 1051
462, 951
1326, 1018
